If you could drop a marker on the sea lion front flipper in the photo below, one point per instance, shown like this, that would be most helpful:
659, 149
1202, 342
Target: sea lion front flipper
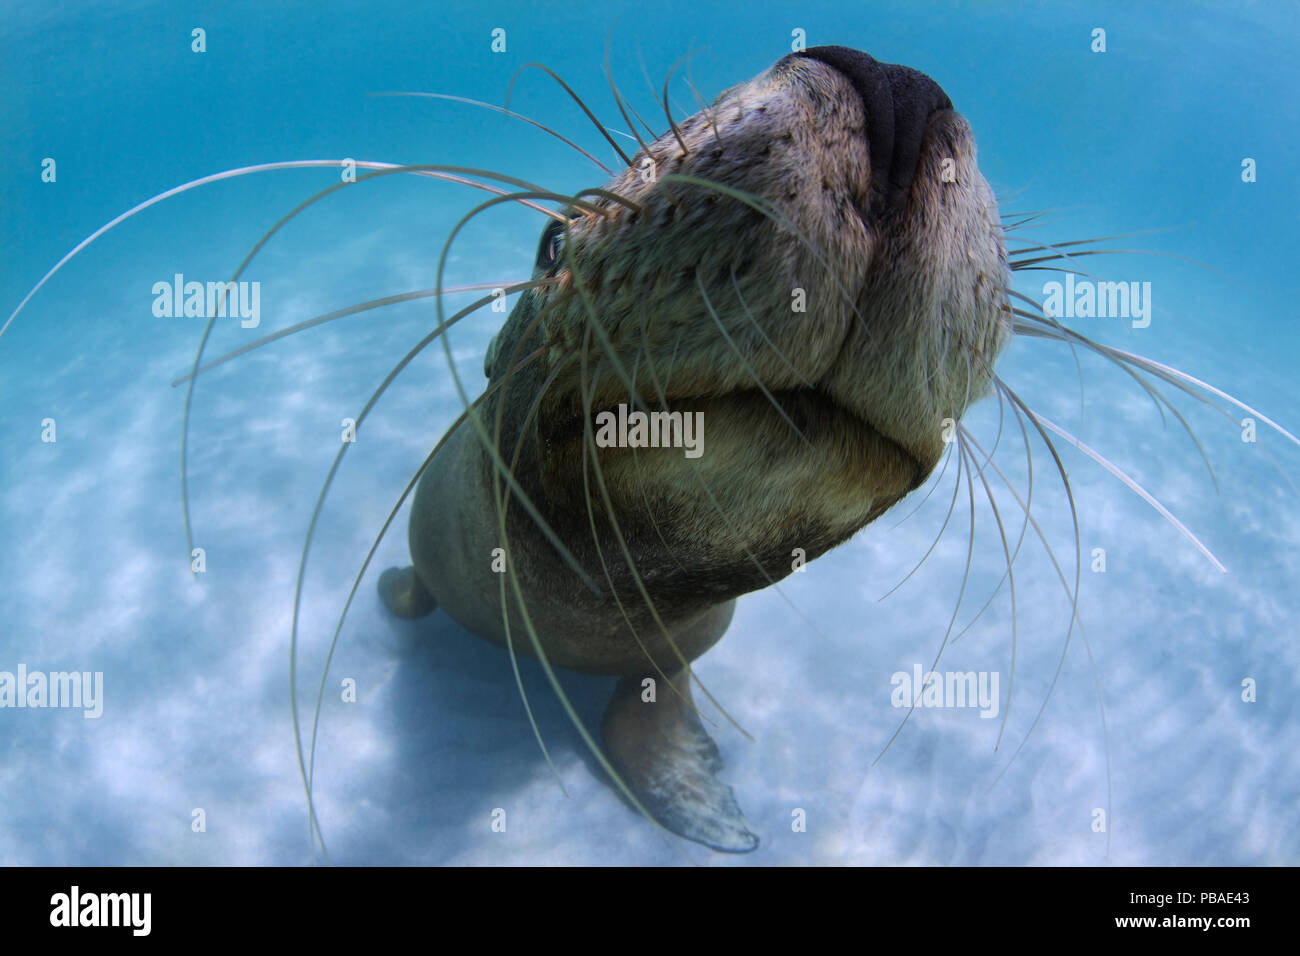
404, 594
670, 764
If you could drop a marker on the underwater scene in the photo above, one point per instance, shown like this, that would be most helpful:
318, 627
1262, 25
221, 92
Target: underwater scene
396, 397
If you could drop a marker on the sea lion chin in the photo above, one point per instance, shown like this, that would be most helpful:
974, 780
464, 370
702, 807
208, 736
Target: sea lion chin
813, 266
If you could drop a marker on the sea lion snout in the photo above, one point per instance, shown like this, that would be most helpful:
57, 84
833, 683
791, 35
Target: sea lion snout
898, 102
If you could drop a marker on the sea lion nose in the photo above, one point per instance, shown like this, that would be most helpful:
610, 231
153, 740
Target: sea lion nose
897, 101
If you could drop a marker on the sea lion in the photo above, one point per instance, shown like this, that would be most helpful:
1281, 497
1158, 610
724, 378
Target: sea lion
812, 267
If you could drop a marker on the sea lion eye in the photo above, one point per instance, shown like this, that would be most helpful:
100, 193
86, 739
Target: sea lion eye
552, 245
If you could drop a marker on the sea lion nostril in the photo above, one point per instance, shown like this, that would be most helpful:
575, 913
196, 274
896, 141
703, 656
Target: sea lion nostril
897, 101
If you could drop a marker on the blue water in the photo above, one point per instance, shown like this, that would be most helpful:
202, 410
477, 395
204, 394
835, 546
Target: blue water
1147, 138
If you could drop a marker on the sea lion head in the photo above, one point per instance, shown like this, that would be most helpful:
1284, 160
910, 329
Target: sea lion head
816, 265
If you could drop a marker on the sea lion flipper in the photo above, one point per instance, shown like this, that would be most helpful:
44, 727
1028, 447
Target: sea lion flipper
668, 761
404, 594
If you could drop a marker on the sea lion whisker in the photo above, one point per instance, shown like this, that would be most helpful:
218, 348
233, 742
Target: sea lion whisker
645, 74
1175, 377
502, 507
1010, 575
1158, 398
667, 111
594, 324
708, 109
644, 125
1181, 380
774, 213
567, 705
1008, 214
347, 605
1062, 333
737, 533
1076, 618
1024, 524
757, 326
1009, 227
1029, 461
473, 419
942, 528
1078, 561
708, 304
596, 751
618, 97
575, 97
311, 530
1059, 270
503, 504
508, 287
454, 173
590, 462
934, 481
961, 592
186, 187
469, 412
997, 436
1057, 246
1019, 265
1033, 265
504, 112
663, 404
1132, 484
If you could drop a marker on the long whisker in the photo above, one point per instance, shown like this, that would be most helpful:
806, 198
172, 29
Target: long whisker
356, 583
591, 461
595, 325
935, 543
645, 73
1045, 326
1101, 703
1078, 562
505, 112
575, 97
311, 531
455, 173
739, 537
204, 181
1024, 525
708, 304
1010, 575
618, 97
667, 110
499, 465
758, 327
1133, 486
705, 108
508, 288
961, 592
934, 482
1169, 374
